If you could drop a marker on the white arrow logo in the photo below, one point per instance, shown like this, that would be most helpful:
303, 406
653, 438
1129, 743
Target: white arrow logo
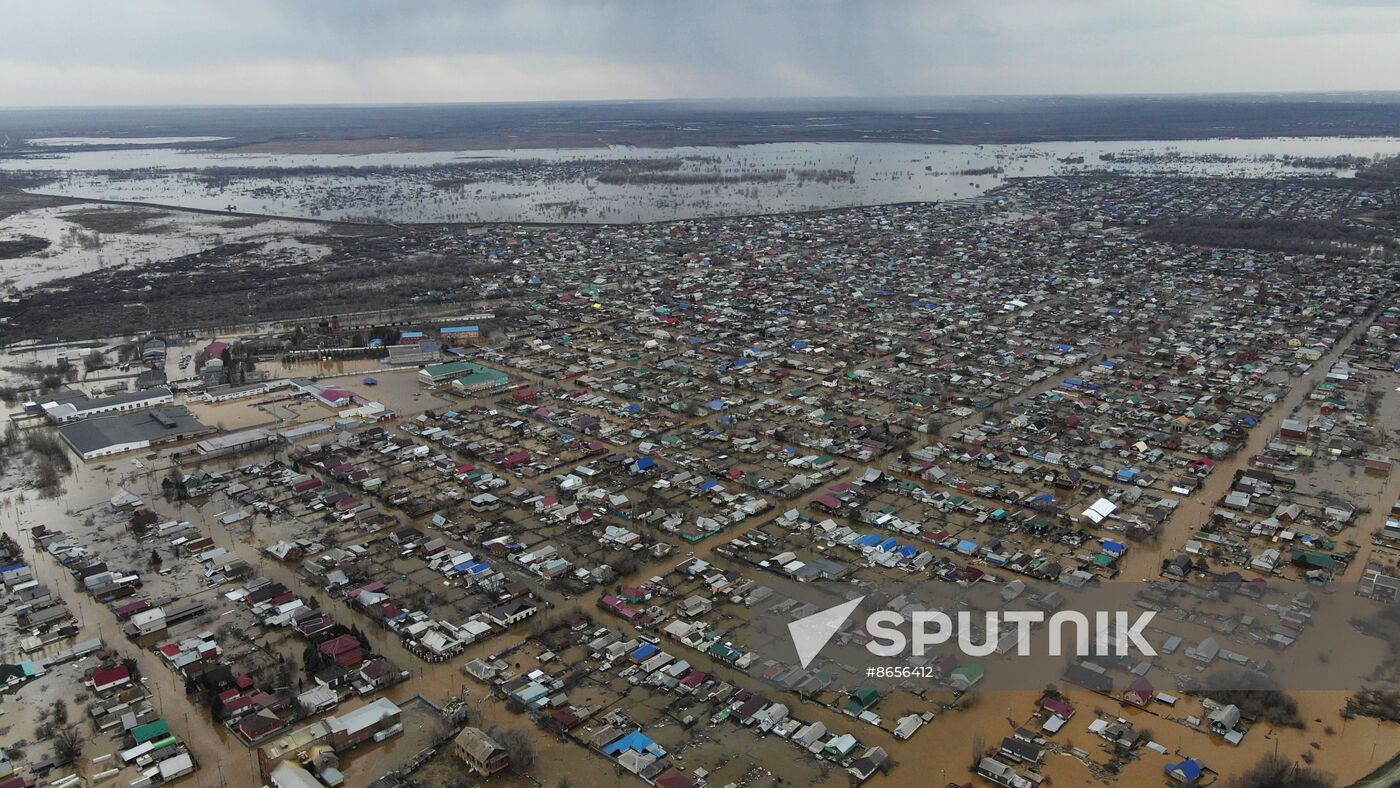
811, 633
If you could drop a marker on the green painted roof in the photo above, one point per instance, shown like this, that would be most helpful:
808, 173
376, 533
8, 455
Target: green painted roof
151, 730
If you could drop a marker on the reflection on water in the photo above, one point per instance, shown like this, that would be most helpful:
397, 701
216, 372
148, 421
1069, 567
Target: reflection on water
580, 185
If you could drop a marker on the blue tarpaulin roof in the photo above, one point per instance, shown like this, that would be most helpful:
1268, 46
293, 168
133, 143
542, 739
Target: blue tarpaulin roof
644, 651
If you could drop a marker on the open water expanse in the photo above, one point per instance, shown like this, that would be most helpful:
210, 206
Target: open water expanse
629, 184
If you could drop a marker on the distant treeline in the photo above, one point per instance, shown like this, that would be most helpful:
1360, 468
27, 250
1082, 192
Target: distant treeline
1307, 236
623, 177
1383, 171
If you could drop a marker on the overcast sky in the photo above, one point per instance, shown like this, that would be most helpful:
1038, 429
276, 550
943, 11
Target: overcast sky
84, 52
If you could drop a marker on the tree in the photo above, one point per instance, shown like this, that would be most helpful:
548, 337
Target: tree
94, 361
68, 745
1274, 771
311, 660
47, 478
519, 747
174, 483
440, 729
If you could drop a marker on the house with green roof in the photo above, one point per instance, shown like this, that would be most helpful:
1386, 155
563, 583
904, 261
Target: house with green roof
860, 700
965, 677
158, 729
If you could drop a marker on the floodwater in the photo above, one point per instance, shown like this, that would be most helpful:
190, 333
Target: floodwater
941, 751
54, 142
1350, 752
154, 235
563, 185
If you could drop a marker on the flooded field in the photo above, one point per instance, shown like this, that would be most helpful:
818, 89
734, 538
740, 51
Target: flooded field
627, 184
80, 239
63, 142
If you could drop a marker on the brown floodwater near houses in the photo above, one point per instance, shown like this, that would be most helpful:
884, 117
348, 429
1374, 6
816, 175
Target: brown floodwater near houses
937, 755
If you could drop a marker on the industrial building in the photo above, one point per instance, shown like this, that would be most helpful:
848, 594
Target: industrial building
108, 435
72, 405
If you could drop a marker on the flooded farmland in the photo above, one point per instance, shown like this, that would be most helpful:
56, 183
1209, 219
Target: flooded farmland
635, 184
74, 240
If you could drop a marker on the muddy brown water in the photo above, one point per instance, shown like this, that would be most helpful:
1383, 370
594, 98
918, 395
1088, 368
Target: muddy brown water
938, 754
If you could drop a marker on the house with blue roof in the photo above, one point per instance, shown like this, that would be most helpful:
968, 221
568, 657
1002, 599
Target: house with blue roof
1187, 772
636, 741
533, 694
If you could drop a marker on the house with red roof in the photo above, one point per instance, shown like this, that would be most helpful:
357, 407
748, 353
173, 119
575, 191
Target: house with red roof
345, 651
1057, 706
618, 606
335, 397
1139, 693
107, 679
260, 725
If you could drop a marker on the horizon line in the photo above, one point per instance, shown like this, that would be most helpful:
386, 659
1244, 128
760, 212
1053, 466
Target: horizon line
712, 99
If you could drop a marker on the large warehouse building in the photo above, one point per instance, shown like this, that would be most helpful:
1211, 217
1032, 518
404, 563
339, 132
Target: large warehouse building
108, 435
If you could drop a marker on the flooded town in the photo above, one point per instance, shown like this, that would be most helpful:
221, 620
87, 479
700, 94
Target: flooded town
517, 530
534, 396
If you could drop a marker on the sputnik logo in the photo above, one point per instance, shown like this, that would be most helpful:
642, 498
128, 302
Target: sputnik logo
811, 633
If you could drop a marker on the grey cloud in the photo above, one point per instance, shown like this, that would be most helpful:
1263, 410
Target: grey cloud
718, 47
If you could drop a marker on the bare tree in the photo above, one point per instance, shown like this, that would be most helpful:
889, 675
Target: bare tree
519, 747
1275, 772
67, 744
979, 747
